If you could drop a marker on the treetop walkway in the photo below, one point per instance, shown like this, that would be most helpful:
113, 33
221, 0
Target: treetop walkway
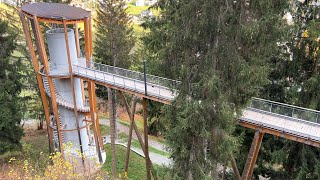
288, 121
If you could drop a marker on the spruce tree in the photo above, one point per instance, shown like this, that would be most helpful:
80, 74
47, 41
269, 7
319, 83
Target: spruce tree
218, 49
113, 43
10, 88
295, 79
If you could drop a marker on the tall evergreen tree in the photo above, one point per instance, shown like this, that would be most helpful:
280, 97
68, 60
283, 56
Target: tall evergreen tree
295, 79
218, 49
10, 88
113, 43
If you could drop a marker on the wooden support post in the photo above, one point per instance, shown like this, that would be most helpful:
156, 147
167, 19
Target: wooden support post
90, 36
148, 162
111, 100
76, 32
134, 124
133, 111
236, 172
252, 156
87, 41
93, 117
44, 58
75, 109
39, 79
97, 123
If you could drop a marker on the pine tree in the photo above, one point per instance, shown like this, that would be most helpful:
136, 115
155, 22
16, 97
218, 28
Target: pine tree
113, 43
219, 51
10, 88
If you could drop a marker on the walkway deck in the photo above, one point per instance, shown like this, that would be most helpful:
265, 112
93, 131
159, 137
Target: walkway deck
291, 122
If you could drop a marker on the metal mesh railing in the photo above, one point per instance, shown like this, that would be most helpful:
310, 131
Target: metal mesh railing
151, 79
286, 110
133, 80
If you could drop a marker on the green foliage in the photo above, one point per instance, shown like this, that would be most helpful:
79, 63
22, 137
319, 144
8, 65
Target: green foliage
114, 37
294, 79
10, 101
114, 34
219, 50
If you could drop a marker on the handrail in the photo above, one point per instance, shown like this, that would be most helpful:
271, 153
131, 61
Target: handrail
285, 110
161, 83
135, 71
289, 105
121, 78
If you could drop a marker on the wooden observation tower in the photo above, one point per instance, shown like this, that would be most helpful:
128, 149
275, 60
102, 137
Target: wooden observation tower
72, 115
67, 76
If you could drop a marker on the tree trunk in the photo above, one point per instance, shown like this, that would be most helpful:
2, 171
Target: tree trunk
40, 125
111, 108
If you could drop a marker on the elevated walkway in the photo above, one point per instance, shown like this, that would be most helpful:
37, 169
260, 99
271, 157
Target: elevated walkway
291, 122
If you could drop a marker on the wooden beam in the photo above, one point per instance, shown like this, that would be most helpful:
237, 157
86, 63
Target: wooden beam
132, 113
39, 79
93, 117
148, 162
124, 101
111, 99
76, 32
252, 156
75, 108
90, 36
236, 172
281, 134
44, 58
87, 39
134, 124
97, 123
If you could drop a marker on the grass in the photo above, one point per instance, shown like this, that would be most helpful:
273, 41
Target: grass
136, 10
137, 169
104, 130
103, 115
135, 143
35, 151
138, 122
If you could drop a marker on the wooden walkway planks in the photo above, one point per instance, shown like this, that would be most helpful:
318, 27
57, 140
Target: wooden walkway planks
283, 124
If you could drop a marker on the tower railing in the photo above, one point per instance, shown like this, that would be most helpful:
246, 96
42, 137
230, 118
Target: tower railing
286, 110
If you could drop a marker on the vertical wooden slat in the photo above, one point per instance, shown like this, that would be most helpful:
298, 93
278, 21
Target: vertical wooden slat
76, 32
39, 78
93, 117
97, 123
43, 56
75, 109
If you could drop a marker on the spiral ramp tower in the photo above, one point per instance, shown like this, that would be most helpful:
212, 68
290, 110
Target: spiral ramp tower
63, 91
72, 123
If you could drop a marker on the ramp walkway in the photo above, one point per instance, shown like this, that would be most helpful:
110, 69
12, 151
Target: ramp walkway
291, 122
